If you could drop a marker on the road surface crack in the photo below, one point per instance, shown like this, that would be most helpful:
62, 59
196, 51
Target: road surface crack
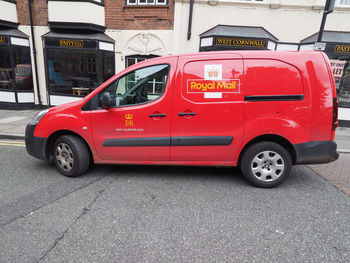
84, 211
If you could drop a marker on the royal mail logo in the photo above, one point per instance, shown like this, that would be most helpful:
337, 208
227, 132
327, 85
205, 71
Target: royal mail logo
203, 86
2, 40
129, 116
213, 73
129, 120
71, 43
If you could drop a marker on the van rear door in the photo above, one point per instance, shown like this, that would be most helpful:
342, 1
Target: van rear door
208, 110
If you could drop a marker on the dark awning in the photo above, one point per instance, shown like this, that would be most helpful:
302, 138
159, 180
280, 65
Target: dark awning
87, 36
239, 31
13, 33
329, 36
223, 37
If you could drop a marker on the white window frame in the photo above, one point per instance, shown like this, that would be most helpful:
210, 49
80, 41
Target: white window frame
343, 3
147, 3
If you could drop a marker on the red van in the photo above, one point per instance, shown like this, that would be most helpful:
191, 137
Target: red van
261, 110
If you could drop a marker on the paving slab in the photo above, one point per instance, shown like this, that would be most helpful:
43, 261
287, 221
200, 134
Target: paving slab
338, 172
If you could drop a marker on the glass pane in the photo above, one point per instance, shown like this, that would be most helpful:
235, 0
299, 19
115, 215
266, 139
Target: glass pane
340, 64
72, 72
107, 64
140, 86
6, 79
23, 68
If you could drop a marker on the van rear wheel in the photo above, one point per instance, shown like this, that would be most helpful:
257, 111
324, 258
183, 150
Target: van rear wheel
266, 164
71, 155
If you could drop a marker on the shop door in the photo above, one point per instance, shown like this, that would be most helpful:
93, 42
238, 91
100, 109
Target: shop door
137, 128
208, 111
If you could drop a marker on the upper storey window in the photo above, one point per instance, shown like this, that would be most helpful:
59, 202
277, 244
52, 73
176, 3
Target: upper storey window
343, 3
146, 2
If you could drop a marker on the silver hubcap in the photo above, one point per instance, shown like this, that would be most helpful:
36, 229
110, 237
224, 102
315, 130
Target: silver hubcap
64, 157
267, 166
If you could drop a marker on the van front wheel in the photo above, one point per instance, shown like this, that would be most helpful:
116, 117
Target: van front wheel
266, 164
71, 155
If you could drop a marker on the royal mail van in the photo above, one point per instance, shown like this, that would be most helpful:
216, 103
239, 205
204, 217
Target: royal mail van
261, 110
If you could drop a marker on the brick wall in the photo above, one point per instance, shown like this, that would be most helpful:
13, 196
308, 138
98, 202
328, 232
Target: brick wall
39, 12
120, 16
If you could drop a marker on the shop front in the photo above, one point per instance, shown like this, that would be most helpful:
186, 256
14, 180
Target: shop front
76, 64
16, 80
224, 37
337, 47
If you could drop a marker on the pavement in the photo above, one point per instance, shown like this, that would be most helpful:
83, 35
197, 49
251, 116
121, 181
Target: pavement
13, 123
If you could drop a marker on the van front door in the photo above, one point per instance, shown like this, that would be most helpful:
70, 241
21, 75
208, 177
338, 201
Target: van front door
208, 111
137, 127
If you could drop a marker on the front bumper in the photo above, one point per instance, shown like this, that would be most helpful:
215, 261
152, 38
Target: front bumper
316, 152
35, 145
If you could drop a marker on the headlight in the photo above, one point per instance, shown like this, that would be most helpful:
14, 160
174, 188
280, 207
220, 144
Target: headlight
39, 116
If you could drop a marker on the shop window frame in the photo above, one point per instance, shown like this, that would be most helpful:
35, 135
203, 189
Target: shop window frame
138, 57
10, 47
98, 66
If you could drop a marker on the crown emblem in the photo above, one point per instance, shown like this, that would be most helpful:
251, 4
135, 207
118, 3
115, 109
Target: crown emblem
213, 73
129, 116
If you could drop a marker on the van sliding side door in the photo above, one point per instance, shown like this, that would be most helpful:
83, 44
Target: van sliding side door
208, 110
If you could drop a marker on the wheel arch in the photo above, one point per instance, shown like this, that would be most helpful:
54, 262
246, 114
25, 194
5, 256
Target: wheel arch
53, 137
272, 138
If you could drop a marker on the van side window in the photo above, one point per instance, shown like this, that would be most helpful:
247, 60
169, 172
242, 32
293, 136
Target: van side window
139, 86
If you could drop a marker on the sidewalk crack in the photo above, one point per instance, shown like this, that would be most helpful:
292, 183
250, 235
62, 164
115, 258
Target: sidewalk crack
84, 211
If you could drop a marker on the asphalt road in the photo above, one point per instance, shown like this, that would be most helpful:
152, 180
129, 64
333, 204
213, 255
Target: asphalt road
165, 214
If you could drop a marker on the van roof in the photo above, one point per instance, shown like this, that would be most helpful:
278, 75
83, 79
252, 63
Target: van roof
243, 54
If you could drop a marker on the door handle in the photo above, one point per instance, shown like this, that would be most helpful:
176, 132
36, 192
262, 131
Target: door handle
187, 114
160, 115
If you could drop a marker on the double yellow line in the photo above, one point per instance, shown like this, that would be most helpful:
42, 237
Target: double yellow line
12, 143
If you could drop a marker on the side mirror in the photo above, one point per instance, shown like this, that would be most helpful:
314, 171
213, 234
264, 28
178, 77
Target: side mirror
106, 100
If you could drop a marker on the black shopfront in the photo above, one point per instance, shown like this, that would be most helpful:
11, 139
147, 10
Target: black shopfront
76, 64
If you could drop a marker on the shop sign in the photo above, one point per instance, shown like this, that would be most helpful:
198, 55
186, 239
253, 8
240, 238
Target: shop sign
337, 67
342, 49
320, 46
240, 42
71, 43
2, 40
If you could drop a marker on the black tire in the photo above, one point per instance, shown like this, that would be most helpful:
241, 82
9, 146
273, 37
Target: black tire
71, 155
266, 164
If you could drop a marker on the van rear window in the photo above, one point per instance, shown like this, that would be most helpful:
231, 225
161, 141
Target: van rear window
272, 77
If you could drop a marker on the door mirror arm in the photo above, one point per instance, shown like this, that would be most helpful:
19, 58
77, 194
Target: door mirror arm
106, 101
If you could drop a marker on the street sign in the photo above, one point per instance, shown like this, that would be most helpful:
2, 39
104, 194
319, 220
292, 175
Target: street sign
320, 46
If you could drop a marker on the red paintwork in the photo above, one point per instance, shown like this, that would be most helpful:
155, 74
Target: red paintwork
258, 73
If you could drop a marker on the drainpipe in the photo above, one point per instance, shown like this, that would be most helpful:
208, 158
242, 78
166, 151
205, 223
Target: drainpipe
34, 49
190, 20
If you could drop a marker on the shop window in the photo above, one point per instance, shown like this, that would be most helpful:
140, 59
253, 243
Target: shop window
107, 66
72, 72
6, 79
23, 68
139, 86
341, 71
146, 2
131, 60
